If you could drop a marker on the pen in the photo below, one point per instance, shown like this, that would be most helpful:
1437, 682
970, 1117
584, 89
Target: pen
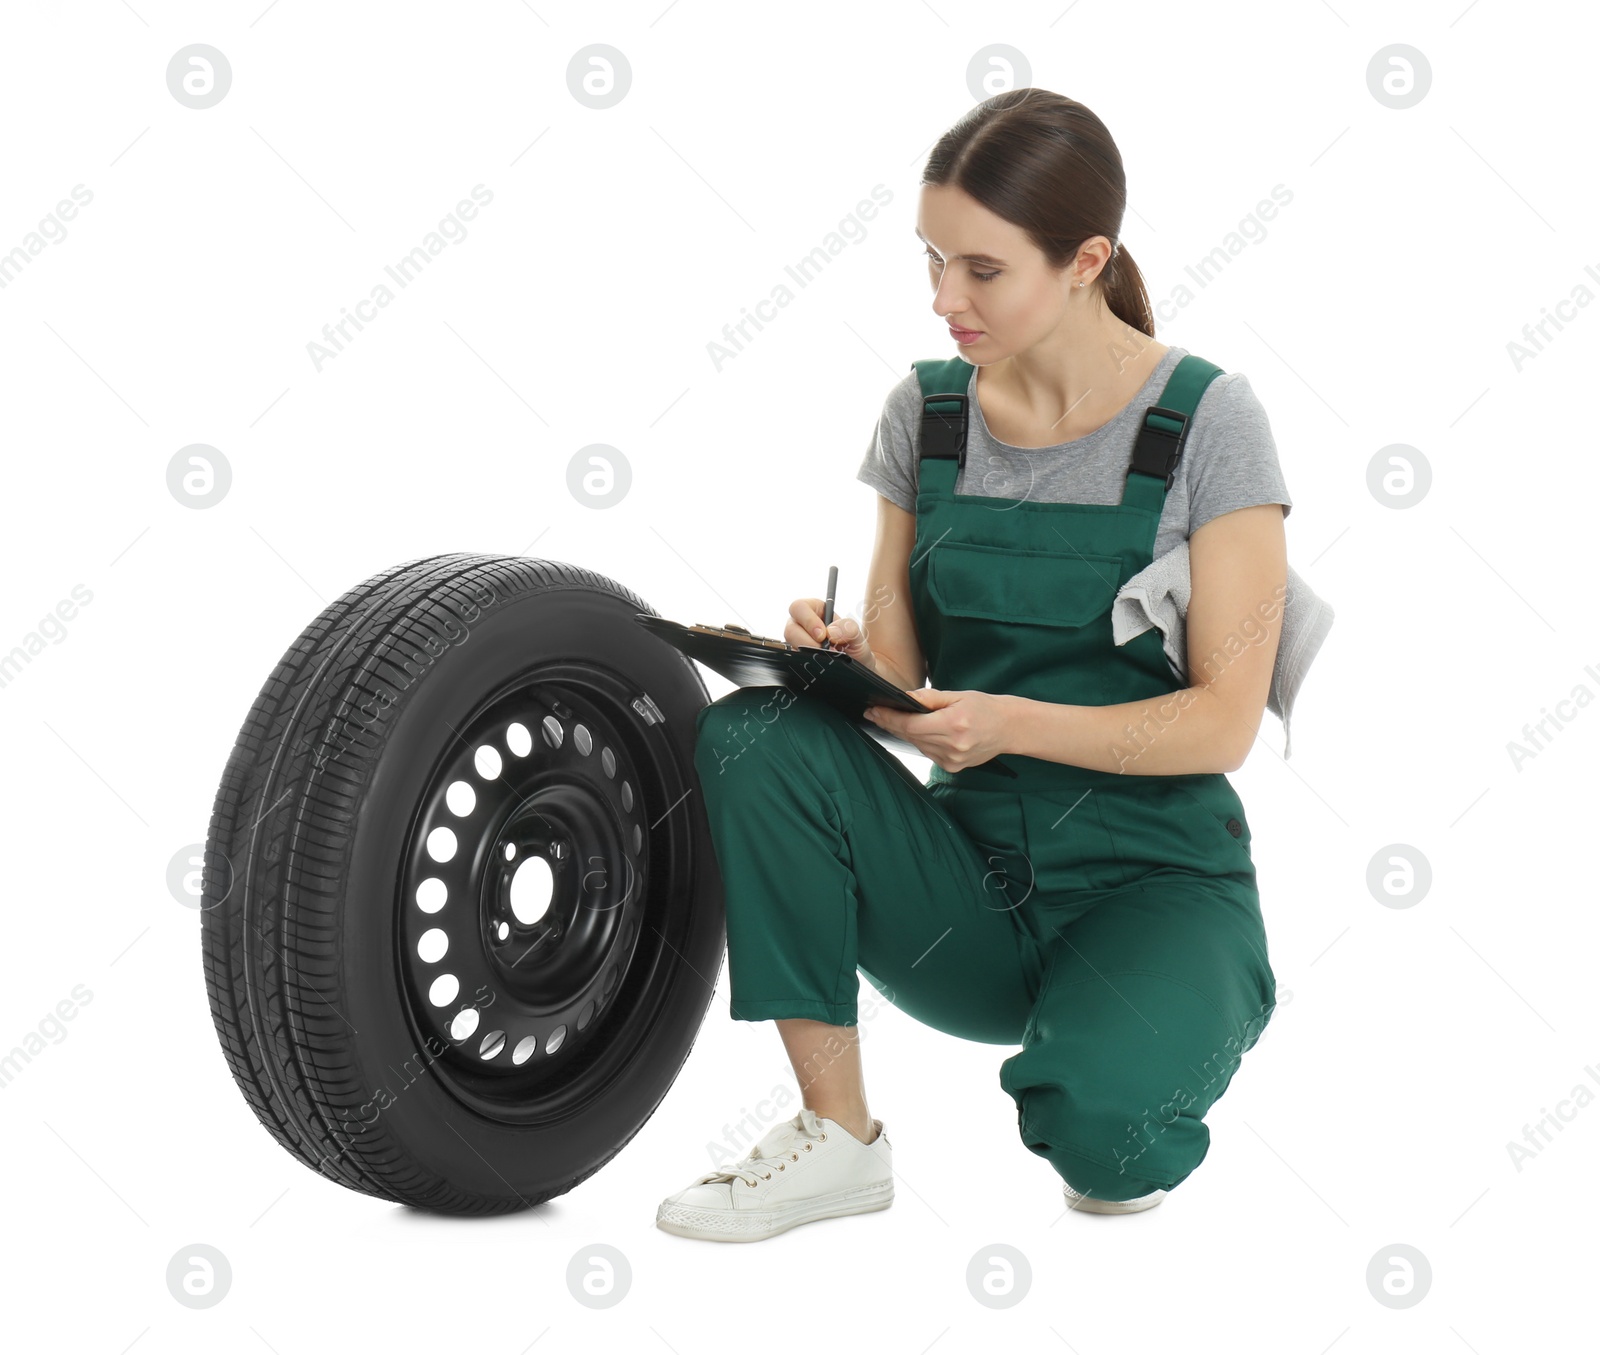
827, 606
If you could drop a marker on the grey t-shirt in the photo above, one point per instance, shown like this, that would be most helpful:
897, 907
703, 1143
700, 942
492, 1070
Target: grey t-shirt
1229, 459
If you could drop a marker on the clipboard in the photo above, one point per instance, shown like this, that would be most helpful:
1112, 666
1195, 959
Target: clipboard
825, 674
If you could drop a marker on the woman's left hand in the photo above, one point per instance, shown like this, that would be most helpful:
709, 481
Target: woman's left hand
962, 730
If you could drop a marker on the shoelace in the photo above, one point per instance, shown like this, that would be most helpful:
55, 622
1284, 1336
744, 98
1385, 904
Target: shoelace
779, 1142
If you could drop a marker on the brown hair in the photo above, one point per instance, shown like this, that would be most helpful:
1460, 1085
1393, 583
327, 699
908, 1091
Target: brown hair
1045, 163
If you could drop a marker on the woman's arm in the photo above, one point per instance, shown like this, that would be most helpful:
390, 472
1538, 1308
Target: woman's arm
1238, 571
888, 621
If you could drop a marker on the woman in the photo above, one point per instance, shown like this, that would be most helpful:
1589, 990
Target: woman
1099, 906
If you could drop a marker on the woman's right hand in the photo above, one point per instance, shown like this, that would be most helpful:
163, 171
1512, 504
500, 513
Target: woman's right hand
805, 628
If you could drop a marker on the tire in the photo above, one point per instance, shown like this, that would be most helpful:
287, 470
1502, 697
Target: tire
324, 828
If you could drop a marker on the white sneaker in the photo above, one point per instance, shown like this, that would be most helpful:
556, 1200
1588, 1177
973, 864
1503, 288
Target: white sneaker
1088, 1204
804, 1169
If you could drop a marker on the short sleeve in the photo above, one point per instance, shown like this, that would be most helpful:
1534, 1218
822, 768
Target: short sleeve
890, 465
1233, 459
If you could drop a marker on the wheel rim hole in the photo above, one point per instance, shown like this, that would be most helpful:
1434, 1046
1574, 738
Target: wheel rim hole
556, 1037
531, 890
503, 931
524, 1050
487, 762
511, 851
518, 739
460, 799
431, 894
551, 728
581, 740
432, 944
441, 844
465, 1022
442, 991
492, 1044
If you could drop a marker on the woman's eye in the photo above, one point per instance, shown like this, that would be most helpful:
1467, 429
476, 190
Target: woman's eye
981, 277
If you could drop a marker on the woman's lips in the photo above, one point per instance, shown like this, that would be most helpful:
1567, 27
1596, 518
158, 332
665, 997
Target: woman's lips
965, 335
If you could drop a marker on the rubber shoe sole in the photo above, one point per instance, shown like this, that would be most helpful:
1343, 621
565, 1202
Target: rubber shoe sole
1088, 1204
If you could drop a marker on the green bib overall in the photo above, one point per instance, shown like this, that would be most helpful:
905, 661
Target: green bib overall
1107, 922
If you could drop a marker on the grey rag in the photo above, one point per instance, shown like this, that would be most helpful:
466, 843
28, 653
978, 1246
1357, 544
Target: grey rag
1158, 595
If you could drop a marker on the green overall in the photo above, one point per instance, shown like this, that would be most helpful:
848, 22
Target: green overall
1108, 922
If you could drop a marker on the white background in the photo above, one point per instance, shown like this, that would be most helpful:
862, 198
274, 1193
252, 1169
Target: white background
1411, 1044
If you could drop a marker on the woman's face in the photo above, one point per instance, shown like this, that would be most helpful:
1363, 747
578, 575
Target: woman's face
998, 304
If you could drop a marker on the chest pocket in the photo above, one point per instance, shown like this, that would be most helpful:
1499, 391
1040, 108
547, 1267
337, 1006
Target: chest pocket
1043, 588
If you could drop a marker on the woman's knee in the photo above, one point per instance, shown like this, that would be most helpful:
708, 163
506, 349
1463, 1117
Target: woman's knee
739, 731
1114, 1145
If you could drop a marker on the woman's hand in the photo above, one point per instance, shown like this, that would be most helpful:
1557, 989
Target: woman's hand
805, 628
963, 729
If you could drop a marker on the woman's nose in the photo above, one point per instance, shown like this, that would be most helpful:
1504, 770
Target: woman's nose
947, 301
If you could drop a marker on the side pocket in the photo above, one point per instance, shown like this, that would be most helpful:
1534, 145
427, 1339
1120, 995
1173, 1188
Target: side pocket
1221, 803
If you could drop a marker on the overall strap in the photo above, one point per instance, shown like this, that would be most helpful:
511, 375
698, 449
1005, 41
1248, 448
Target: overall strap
943, 431
1163, 431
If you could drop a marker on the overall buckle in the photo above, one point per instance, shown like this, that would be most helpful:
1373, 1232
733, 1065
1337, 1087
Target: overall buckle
1159, 444
944, 433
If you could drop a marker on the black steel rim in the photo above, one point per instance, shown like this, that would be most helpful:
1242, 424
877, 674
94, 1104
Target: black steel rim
515, 983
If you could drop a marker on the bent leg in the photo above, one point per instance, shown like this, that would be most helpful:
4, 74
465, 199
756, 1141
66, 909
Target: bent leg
1148, 1004
834, 856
